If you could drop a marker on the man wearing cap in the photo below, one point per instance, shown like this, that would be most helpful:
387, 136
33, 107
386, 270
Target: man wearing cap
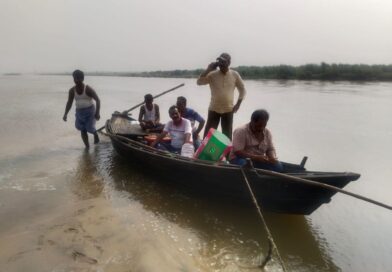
222, 84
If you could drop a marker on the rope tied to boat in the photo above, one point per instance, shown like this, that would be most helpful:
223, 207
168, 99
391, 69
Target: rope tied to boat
271, 243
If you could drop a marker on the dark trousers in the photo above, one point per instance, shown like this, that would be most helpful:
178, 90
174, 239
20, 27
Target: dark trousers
168, 147
226, 120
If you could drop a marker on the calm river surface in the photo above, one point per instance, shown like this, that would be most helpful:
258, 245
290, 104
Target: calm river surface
66, 209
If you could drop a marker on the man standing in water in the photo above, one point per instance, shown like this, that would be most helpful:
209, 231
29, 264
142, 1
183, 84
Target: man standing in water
222, 84
86, 112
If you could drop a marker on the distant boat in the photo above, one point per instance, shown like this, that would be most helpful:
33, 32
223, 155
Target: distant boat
275, 194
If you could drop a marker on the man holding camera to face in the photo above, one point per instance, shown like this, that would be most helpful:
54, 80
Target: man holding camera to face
222, 83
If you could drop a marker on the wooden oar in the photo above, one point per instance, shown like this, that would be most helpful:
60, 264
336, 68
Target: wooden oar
141, 103
315, 183
158, 95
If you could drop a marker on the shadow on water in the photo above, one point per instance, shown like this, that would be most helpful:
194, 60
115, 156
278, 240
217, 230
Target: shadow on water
228, 230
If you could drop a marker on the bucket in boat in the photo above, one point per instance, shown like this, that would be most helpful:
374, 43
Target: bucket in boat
152, 137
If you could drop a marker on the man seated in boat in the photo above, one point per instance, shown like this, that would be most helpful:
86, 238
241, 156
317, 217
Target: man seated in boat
254, 141
192, 116
149, 115
179, 129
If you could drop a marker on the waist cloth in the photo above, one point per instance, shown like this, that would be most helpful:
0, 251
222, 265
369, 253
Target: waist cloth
85, 119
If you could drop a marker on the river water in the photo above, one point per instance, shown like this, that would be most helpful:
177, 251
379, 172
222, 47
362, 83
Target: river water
63, 208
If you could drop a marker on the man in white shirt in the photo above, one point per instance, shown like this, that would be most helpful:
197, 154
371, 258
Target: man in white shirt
179, 129
86, 111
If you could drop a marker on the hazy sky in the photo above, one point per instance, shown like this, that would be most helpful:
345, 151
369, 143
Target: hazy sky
135, 35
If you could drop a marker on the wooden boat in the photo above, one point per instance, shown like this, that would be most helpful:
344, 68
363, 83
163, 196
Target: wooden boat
273, 193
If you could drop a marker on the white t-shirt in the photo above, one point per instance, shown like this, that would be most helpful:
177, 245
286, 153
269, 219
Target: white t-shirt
177, 133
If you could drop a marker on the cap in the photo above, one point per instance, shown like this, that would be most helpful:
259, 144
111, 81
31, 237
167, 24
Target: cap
224, 57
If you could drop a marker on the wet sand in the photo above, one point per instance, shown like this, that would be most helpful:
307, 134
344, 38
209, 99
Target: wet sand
74, 225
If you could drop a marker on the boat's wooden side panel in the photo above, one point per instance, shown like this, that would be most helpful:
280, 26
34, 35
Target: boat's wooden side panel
274, 194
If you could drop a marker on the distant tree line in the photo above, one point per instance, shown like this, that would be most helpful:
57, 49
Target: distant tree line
171, 73
321, 71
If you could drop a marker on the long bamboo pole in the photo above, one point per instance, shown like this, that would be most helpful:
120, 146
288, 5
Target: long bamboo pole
319, 184
141, 103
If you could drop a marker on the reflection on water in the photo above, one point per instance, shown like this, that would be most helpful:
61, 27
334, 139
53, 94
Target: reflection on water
87, 183
230, 235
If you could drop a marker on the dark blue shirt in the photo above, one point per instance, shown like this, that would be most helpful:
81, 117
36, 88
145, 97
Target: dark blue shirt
192, 116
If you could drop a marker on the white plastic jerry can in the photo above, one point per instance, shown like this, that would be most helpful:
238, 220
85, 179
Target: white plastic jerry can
187, 150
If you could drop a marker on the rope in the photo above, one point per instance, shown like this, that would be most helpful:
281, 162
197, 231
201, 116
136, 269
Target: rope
272, 245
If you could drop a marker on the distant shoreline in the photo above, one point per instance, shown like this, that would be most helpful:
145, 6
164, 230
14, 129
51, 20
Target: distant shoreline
323, 71
12, 74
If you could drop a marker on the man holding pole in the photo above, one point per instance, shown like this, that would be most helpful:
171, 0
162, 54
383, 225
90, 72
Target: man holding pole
222, 84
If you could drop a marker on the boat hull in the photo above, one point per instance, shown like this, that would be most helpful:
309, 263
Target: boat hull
274, 194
